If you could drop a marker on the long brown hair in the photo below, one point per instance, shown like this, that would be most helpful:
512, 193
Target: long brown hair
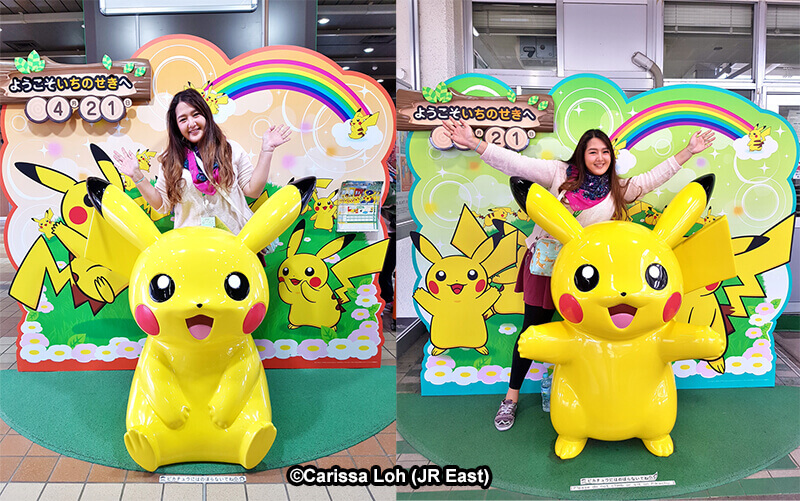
213, 147
578, 159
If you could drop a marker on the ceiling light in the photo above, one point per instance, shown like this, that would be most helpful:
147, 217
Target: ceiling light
324, 20
345, 68
380, 80
475, 32
374, 68
368, 50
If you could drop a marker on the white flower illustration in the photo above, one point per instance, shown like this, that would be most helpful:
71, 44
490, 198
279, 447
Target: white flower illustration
59, 352
285, 348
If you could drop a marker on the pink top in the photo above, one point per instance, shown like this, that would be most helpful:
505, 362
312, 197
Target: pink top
552, 173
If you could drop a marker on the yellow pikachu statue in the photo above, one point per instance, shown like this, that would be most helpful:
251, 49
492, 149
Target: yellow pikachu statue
618, 286
199, 392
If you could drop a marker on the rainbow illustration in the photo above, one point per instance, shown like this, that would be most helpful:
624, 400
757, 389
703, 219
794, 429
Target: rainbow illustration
675, 113
295, 76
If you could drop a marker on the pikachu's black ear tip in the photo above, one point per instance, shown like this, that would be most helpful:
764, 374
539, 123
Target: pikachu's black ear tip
306, 187
707, 182
95, 187
519, 189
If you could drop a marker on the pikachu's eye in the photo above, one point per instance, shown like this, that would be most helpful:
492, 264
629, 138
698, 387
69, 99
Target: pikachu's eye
586, 278
237, 286
285, 270
309, 271
440, 275
162, 287
656, 276
472, 274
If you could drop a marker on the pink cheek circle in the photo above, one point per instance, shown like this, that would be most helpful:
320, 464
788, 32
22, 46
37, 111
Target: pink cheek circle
672, 306
433, 287
254, 317
315, 282
480, 286
77, 215
146, 320
570, 309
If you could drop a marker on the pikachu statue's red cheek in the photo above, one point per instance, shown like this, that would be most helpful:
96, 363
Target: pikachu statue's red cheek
146, 320
254, 318
672, 306
315, 282
570, 309
78, 215
480, 286
433, 287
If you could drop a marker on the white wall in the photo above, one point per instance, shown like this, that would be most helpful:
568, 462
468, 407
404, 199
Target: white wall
441, 40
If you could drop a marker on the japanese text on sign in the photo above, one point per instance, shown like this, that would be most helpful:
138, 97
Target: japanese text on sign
73, 83
502, 113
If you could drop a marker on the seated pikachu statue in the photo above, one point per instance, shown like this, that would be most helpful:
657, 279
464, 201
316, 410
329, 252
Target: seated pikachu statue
199, 392
618, 285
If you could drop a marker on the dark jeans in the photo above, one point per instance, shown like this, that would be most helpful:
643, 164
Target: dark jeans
534, 315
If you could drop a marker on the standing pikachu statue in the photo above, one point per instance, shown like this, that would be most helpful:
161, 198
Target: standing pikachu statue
199, 392
618, 286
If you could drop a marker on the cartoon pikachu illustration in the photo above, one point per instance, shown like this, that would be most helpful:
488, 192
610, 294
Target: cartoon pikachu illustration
45, 223
303, 282
496, 213
458, 291
757, 136
468, 235
95, 248
303, 278
360, 122
753, 255
324, 211
618, 286
199, 392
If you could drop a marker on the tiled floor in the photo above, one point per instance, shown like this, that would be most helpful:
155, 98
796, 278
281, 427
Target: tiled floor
780, 481
29, 472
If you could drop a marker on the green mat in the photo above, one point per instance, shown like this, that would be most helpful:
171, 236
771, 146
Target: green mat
720, 436
82, 414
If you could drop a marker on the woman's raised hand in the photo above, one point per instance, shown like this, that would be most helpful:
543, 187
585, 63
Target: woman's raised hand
128, 164
460, 132
700, 141
275, 136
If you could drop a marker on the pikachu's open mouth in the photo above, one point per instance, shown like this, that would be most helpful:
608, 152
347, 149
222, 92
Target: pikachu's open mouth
456, 288
199, 326
622, 315
294, 281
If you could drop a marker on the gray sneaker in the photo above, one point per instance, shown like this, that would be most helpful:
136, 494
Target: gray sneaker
504, 419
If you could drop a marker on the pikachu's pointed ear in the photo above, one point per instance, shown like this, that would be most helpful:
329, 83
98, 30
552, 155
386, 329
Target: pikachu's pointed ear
496, 256
276, 214
46, 176
335, 246
122, 213
425, 247
469, 233
706, 257
545, 210
681, 214
106, 166
296, 238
